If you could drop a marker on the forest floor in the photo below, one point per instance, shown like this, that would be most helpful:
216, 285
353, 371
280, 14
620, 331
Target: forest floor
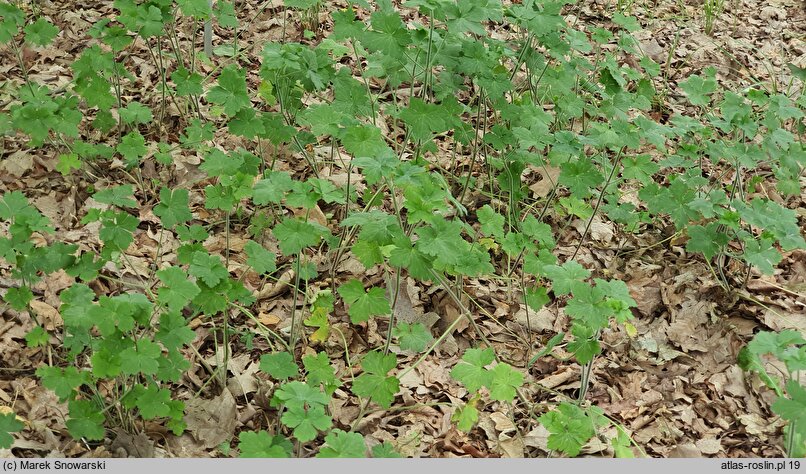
674, 383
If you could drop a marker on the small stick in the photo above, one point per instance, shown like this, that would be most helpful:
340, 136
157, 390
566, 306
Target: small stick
208, 34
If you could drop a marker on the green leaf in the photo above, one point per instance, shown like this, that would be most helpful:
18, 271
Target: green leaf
12, 19
230, 92
208, 268
306, 421
504, 380
146, 19
699, 89
321, 307
174, 331
8, 424
67, 163
374, 383
320, 371
771, 217
301, 4
570, 428
377, 363
141, 359
301, 394
466, 417
246, 124
295, 235
279, 365
471, 372
762, 254
566, 278
37, 337
62, 381
225, 13
588, 306
187, 83
775, 343
132, 147
384, 450
192, 233
272, 188
640, 168
41, 32
19, 298
363, 141
389, 35
261, 444
104, 120
363, 305
217, 163
136, 113
196, 8
120, 196
341, 444
580, 177
621, 444
377, 166
154, 402
176, 290
412, 337
492, 223
585, 345
260, 259
86, 420
368, 253
536, 298
792, 409
706, 240
117, 38
424, 120
629, 23
443, 241
173, 208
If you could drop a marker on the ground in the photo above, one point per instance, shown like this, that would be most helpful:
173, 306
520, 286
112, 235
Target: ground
670, 378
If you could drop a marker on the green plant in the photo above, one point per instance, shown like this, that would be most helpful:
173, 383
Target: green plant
8, 424
712, 9
304, 404
789, 347
477, 114
502, 381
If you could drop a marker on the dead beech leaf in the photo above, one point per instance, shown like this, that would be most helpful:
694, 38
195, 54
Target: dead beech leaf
537, 438
755, 425
502, 422
686, 329
778, 320
407, 308
268, 319
17, 163
51, 208
555, 380
708, 445
47, 314
543, 320
243, 381
511, 445
132, 446
599, 230
685, 450
211, 422
549, 175
314, 214
278, 288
